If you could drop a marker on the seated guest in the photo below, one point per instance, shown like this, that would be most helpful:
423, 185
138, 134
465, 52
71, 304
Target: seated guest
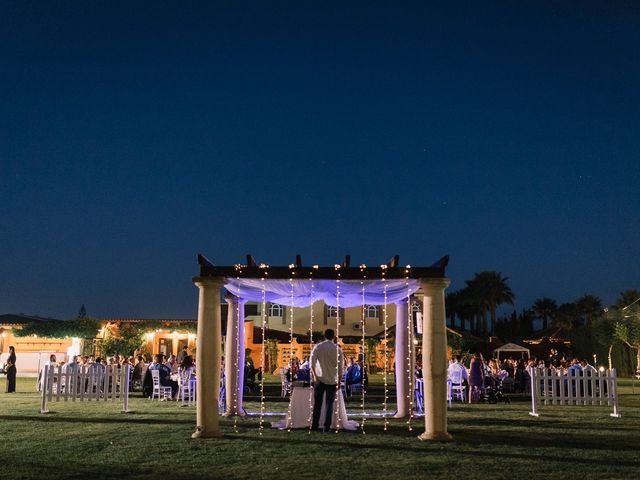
187, 369
164, 374
304, 375
306, 364
187, 365
249, 377
458, 374
362, 367
173, 364
353, 376
292, 370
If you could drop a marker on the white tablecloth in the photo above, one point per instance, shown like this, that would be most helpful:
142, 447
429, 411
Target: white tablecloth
300, 403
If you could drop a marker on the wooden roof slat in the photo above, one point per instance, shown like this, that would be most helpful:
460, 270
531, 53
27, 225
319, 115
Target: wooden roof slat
345, 271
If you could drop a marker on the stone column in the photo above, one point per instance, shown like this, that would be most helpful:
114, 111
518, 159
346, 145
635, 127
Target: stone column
208, 357
402, 362
234, 355
434, 359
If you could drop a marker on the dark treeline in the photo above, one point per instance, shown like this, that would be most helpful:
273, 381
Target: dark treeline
611, 332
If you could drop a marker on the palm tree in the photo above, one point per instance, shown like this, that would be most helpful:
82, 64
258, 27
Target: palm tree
627, 298
461, 304
453, 304
567, 316
476, 307
589, 306
545, 309
490, 289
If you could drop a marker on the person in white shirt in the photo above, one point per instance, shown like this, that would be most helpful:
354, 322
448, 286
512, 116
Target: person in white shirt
327, 361
458, 374
45, 367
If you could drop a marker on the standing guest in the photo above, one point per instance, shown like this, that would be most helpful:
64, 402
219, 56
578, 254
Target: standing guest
72, 366
476, 376
10, 369
326, 370
97, 366
520, 381
139, 371
181, 354
45, 368
575, 369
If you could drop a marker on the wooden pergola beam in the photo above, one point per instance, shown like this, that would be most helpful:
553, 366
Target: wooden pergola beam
344, 271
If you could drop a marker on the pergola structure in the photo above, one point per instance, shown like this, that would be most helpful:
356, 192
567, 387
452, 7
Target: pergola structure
247, 279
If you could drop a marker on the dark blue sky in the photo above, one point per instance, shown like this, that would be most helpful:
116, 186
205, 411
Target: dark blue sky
505, 134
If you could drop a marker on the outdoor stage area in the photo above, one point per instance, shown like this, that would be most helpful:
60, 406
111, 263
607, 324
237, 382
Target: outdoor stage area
96, 440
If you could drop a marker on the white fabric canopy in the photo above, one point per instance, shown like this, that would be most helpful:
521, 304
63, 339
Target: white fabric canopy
511, 347
302, 293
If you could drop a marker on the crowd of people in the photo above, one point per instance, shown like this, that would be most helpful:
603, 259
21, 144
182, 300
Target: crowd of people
172, 370
508, 374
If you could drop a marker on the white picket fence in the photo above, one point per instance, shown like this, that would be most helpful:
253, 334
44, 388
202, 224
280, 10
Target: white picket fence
591, 387
85, 384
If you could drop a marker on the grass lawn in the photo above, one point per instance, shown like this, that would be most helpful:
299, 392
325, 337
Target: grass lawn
94, 440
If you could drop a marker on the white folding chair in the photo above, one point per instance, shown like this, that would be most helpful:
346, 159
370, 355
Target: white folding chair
458, 390
163, 392
419, 394
222, 401
186, 386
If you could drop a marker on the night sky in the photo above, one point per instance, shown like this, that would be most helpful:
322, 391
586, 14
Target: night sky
132, 137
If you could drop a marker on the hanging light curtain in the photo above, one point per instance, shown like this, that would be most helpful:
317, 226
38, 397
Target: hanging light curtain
300, 293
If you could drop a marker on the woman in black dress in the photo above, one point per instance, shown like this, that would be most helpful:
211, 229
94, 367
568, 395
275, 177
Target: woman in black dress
11, 370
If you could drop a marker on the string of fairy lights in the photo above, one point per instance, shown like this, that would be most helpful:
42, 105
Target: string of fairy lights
386, 357
338, 359
362, 373
290, 420
236, 383
262, 365
311, 344
409, 357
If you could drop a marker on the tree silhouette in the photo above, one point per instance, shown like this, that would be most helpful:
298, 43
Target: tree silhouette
489, 290
545, 309
589, 306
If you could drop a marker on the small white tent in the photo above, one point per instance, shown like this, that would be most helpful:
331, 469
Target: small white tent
511, 348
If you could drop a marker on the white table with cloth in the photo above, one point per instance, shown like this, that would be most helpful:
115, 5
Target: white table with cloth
299, 412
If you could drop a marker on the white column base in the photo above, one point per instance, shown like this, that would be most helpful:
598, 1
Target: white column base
201, 433
436, 437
